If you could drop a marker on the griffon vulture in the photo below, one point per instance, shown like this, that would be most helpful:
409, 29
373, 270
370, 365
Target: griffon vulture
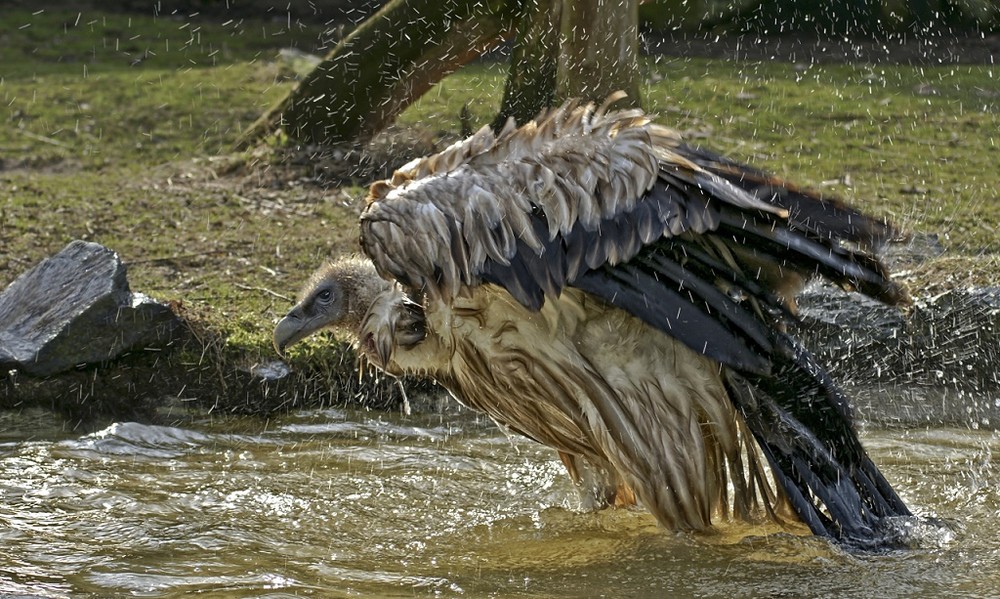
593, 283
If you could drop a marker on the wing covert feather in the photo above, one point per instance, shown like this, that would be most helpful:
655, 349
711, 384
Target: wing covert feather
537, 208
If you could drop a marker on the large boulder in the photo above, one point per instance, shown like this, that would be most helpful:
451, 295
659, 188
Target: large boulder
76, 309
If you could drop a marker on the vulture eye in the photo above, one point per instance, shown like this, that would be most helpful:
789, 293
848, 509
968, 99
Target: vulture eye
324, 296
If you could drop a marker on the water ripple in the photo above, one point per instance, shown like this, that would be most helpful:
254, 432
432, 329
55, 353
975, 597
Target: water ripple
342, 504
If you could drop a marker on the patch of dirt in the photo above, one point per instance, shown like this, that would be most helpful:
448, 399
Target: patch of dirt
327, 167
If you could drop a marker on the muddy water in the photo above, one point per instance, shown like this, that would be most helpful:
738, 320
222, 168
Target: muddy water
344, 504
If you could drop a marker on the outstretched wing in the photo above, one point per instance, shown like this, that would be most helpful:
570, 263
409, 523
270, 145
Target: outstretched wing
606, 202
697, 246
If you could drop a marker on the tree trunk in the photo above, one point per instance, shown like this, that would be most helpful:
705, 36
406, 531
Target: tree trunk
584, 49
531, 80
599, 50
385, 64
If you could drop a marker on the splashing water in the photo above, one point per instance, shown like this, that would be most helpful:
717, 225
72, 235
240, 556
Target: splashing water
334, 503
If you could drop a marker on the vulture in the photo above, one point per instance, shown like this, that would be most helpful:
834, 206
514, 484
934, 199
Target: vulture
594, 283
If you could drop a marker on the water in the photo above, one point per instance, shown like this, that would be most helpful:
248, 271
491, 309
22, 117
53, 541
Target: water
346, 504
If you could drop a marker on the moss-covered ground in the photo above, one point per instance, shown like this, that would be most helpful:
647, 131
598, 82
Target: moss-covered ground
119, 129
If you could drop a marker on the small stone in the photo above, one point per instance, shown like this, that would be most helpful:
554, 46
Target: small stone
271, 371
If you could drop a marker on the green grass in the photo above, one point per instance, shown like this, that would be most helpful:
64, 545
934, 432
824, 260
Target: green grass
110, 89
119, 129
920, 144
49, 41
112, 125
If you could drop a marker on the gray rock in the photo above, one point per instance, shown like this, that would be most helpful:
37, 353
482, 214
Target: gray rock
855, 337
938, 363
75, 309
952, 339
271, 371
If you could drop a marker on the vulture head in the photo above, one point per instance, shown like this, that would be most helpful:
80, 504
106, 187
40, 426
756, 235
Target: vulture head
349, 296
336, 296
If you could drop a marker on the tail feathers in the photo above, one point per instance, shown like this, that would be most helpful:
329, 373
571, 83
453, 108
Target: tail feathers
804, 426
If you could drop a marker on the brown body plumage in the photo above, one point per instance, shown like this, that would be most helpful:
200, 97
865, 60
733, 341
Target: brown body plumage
594, 284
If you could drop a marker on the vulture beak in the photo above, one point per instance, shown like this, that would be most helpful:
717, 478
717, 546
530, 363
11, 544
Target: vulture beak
322, 304
292, 328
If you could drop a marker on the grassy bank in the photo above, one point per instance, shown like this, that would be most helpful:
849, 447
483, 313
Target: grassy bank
118, 129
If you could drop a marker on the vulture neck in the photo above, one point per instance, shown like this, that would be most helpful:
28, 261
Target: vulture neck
360, 285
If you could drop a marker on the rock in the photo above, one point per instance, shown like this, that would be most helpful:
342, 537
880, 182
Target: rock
952, 339
854, 336
76, 340
937, 364
955, 337
74, 309
271, 371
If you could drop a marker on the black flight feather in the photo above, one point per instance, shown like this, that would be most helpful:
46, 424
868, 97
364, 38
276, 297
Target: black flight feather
716, 303
670, 310
813, 256
826, 218
803, 423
